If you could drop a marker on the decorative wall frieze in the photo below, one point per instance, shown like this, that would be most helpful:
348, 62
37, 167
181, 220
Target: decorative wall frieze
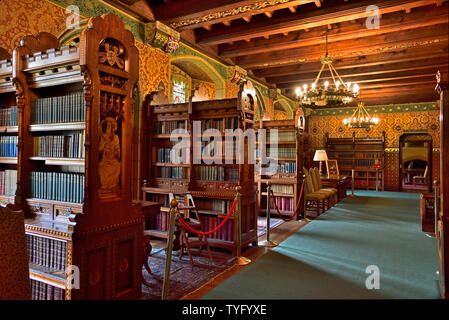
228, 13
160, 36
235, 74
415, 107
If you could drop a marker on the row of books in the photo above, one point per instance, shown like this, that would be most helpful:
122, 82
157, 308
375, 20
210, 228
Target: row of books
220, 124
8, 146
216, 173
67, 146
172, 172
284, 135
365, 163
376, 155
282, 188
43, 291
282, 203
226, 232
61, 109
166, 127
66, 187
46, 252
287, 167
282, 153
9, 116
222, 206
8, 182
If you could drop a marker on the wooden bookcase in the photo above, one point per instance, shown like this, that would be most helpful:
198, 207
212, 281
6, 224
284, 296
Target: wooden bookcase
360, 154
8, 130
213, 186
76, 118
293, 149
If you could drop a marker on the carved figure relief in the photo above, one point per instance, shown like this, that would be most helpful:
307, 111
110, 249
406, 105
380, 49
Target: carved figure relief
109, 168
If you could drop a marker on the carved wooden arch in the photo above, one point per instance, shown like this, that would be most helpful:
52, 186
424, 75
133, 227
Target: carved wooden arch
249, 96
110, 61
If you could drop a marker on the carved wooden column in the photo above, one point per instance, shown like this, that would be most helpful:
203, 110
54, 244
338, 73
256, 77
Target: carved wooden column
443, 224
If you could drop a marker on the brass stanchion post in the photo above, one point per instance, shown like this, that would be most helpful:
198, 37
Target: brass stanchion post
352, 183
377, 180
241, 261
171, 231
268, 242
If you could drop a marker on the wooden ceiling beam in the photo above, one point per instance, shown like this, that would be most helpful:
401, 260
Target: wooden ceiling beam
364, 46
317, 18
139, 9
359, 61
395, 23
361, 71
362, 77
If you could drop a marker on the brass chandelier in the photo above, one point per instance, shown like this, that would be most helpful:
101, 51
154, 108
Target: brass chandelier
360, 118
340, 93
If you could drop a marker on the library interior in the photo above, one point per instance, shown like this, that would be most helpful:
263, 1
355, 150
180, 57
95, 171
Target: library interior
224, 149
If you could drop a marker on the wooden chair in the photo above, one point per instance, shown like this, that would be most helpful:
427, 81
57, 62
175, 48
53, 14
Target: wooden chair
422, 178
195, 224
332, 191
329, 194
314, 200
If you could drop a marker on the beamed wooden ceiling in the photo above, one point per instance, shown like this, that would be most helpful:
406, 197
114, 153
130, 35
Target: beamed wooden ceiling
281, 42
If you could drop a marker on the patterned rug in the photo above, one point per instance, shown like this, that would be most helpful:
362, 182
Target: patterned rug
262, 225
185, 278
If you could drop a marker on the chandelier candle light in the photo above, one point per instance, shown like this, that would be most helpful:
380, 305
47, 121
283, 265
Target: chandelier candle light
340, 93
360, 118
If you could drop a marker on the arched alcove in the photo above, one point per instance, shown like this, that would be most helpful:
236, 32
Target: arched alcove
199, 69
283, 106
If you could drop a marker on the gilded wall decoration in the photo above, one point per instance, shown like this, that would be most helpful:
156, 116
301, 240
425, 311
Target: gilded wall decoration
231, 12
154, 69
25, 17
280, 115
209, 87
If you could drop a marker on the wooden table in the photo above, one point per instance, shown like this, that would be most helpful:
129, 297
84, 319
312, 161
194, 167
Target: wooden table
341, 183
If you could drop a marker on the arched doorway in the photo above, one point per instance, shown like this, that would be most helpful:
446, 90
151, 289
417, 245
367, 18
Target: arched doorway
415, 162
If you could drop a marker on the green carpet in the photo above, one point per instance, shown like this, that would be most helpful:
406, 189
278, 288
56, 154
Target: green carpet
327, 259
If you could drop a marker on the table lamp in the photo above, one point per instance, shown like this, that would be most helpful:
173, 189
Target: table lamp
320, 155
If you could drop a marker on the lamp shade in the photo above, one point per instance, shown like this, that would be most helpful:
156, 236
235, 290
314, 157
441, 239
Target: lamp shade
320, 155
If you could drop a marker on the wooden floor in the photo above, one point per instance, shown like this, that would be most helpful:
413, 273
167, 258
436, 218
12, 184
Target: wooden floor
278, 235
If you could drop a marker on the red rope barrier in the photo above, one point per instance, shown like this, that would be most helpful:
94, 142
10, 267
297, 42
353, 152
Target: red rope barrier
211, 231
297, 205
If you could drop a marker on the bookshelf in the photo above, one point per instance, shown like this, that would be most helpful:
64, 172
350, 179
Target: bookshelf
213, 186
8, 130
360, 154
76, 106
293, 146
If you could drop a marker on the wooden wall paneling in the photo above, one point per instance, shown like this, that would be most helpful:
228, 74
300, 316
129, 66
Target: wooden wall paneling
443, 224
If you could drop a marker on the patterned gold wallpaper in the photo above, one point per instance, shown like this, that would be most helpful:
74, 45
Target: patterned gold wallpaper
209, 86
25, 17
394, 124
154, 68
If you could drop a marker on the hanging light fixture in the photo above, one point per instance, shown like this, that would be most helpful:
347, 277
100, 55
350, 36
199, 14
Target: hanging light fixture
360, 118
340, 93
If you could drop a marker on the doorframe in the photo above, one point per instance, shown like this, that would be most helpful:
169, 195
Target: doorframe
429, 157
